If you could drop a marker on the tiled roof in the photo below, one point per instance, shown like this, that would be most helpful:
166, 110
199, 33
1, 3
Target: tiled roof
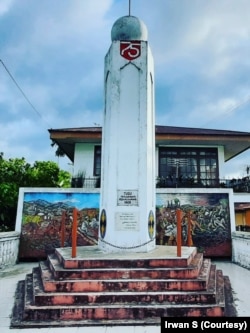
160, 129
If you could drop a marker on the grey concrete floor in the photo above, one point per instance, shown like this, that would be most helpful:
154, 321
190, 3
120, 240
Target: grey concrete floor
240, 279
9, 276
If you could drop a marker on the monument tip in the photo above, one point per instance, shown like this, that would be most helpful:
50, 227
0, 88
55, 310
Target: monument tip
129, 28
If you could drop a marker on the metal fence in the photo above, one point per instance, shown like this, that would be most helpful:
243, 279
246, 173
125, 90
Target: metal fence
238, 185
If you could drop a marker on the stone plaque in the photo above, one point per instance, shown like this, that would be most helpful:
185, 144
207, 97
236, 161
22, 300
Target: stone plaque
127, 221
127, 198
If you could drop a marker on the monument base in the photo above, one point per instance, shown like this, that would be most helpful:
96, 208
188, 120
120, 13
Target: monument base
120, 289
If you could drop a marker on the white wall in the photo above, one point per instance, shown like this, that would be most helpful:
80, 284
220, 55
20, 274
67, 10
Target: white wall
221, 162
84, 159
241, 248
9, 246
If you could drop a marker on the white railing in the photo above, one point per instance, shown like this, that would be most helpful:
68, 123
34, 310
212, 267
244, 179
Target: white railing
241, 248
9, 246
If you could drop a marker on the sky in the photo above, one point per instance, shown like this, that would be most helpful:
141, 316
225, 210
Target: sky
52, 68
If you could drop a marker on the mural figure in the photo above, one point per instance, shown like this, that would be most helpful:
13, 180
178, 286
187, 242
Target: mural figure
205, 216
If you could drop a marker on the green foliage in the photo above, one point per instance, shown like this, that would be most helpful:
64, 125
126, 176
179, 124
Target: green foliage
44, 174
16, 173
64, 179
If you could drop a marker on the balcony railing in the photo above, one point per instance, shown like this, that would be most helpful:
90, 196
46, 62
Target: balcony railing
80, 182
238, 185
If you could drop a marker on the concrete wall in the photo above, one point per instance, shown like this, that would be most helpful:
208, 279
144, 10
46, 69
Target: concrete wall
239, 245
241, 248
9, 245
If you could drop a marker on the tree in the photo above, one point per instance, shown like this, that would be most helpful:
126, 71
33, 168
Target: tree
16, 173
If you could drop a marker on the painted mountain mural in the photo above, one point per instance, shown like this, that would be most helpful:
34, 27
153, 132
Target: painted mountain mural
45, 214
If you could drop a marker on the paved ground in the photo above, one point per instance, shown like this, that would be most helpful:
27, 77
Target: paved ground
239, 278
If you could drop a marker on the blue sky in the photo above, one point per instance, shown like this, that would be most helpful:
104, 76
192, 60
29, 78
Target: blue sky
55, 49
78, 200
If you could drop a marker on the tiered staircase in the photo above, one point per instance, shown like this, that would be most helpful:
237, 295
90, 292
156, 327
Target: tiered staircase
120, 289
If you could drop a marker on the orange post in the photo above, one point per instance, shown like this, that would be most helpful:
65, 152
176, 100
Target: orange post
189, 239
74, 233
178, 240
63, 229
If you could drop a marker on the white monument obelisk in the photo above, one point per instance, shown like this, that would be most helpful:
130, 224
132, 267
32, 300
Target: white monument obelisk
127, 203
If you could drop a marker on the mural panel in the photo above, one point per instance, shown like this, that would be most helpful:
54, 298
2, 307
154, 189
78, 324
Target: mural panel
42, 211
41, 217
209, 216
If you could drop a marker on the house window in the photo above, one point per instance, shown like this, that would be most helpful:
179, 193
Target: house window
193, 165
97, 161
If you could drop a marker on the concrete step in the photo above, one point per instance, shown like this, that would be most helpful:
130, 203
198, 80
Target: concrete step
40, 297
93, 257
32, 316
187, 272
101, 285
114, 311
120, 294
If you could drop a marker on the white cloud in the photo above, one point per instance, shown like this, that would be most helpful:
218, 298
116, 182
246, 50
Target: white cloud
5, 6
